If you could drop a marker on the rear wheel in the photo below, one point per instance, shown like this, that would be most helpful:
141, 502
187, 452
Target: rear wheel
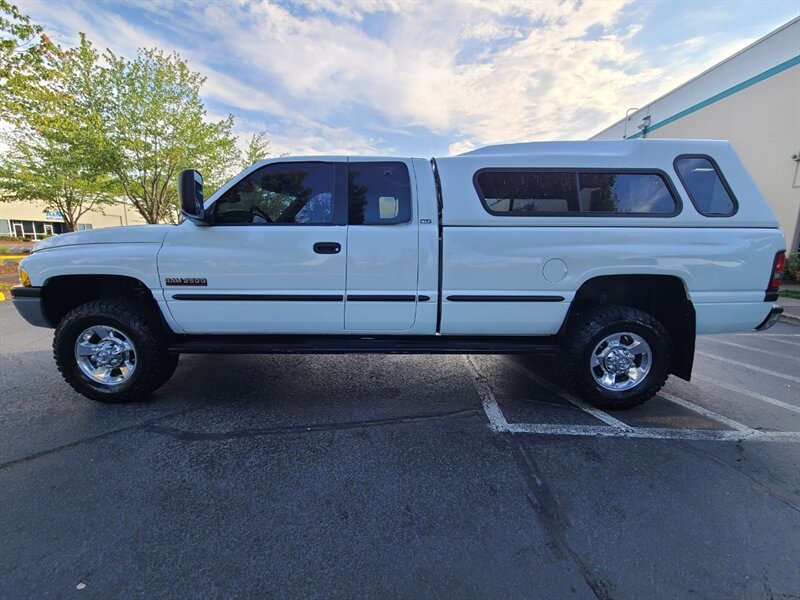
616, 356
113, 350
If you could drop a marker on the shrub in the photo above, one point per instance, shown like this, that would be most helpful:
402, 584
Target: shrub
792, 270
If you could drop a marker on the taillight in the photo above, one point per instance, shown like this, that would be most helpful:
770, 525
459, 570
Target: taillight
777, 271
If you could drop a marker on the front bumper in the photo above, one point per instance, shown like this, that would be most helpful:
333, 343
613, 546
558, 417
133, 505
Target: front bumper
28, 302
772, 318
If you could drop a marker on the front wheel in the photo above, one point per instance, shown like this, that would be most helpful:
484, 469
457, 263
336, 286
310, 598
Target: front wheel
113, 350
616, 356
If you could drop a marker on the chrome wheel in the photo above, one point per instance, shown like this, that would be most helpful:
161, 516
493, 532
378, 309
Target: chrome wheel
105, 355
620, 361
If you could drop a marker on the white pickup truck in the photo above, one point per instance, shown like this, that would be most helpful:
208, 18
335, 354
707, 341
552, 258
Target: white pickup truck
611, 255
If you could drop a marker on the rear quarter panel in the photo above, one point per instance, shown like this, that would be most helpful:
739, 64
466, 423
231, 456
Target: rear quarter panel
725, 272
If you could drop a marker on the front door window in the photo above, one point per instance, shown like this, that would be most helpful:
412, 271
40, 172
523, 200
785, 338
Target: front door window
299, 193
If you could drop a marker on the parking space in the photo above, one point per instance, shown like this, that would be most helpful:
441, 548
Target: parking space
403, 476
529, 397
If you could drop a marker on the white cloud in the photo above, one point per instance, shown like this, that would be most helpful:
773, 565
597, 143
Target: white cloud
409, 72
350, 9
121, 37
460, 147
472, 71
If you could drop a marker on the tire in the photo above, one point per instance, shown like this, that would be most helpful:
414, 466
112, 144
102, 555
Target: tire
606, 362
113, 350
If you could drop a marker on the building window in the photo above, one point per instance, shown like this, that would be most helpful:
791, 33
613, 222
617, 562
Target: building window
84, 226
34, 229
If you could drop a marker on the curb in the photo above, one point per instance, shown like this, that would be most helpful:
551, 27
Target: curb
2, 297
790, 319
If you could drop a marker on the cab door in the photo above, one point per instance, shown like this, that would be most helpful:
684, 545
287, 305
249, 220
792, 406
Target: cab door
382, 247
274, 260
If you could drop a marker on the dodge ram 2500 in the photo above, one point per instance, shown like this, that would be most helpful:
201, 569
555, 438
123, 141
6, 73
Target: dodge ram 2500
611, 255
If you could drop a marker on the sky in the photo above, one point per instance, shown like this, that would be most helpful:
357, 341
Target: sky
404, 78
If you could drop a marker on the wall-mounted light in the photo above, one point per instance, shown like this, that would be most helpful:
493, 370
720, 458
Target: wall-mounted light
627, 118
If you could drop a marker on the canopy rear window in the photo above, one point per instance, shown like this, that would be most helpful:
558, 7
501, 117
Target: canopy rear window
707, 189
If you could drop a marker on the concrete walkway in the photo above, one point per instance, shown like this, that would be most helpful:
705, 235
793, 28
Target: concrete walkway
791, 306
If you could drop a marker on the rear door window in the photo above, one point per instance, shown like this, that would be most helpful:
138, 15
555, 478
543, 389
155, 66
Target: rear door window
707, 189
379, 193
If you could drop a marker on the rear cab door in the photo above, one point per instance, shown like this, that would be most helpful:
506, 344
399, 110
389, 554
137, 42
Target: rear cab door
382, 246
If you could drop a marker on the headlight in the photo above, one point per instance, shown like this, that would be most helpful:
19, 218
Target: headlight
23, 277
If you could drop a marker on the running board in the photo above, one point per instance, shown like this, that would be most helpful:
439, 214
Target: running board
344, 344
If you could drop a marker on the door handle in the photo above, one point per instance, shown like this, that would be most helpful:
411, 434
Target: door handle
327, 248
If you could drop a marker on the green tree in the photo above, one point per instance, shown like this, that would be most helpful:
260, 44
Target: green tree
157, 126
54, 150
257, 149
26, 62
22, 44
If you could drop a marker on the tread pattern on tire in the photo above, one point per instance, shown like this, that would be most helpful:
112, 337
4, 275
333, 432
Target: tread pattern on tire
580, 333
154, 367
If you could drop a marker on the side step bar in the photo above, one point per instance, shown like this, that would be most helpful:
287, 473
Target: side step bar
343, 344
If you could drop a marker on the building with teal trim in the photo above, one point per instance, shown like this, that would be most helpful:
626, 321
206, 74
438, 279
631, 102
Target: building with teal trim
751, 99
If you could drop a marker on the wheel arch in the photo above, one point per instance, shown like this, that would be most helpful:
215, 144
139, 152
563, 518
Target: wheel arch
62, 293
665, 297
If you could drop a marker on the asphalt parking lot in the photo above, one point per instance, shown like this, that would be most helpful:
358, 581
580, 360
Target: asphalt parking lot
401, 476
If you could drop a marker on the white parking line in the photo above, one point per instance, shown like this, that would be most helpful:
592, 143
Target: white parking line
751, 349
709, 414
759, 334
497, 420
746, 392
595, 412
787, 342
499, 423
655, 433
749, 366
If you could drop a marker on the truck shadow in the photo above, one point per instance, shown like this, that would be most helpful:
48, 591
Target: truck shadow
309, 388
